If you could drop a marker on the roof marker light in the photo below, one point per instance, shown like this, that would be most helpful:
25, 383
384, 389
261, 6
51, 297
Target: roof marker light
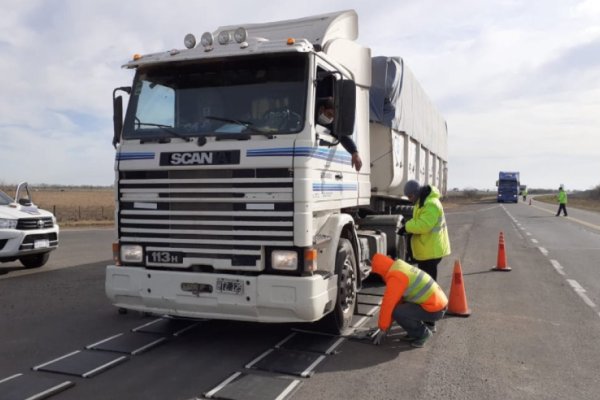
224, 37
291, 41
189, 41
207, 39
240, 35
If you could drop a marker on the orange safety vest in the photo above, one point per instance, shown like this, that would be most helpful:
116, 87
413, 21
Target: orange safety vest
409, 284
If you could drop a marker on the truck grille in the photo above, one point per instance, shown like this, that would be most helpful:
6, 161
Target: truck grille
26, 224
218, 219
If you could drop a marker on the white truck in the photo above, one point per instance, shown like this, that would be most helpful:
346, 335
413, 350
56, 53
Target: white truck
27, 233
233, 203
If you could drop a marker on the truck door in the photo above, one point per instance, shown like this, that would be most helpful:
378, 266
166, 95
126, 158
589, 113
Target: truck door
337, 180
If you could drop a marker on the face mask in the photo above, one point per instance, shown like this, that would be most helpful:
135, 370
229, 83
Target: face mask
324, 120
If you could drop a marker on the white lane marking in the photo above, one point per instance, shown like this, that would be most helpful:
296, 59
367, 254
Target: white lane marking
55, 360
307, 372
105, 366
147, 324
581, 292
102, 341
543, 250
10, 377
222, 385
257, 359
287, 390
528, 233
534, 241
52, 390
557, 267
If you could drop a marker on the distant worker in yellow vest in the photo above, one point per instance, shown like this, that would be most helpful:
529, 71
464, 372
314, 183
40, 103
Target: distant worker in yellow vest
524, 194
562, 201
411, 298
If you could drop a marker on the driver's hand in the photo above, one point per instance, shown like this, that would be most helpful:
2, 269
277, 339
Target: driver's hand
356, 161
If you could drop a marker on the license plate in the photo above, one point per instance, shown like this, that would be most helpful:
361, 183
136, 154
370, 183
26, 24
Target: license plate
164, 257
230, 286
196, 288
41, 244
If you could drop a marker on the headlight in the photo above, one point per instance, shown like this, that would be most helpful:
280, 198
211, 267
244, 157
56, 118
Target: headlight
132, 253
8, 223
286, 260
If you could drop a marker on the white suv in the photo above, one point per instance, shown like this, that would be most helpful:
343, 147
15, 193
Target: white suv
27, 233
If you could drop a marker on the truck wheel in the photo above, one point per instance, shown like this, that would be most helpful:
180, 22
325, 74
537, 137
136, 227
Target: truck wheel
338, 321
35, 260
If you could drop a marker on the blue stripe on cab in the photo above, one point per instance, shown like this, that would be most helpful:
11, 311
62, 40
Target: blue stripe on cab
134, 156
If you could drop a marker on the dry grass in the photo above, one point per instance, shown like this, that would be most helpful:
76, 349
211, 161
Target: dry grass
578, 200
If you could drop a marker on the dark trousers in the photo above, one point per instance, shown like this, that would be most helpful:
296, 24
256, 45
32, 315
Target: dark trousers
412, 318
562, 207
429, 266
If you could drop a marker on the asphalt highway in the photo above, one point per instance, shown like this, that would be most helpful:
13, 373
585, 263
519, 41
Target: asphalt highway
533, 332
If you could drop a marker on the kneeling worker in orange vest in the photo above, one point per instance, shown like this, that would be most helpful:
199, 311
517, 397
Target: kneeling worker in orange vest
411, 297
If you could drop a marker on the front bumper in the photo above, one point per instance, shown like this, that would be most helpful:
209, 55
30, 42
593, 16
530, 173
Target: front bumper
17, 243
265, 298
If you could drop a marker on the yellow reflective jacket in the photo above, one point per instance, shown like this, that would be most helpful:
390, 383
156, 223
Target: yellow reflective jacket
428, 227
562, 197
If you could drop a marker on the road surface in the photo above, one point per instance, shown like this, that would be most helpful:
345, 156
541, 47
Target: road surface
533, 332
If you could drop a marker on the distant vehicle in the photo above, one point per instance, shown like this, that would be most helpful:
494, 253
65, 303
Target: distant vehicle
508, 187
27, 233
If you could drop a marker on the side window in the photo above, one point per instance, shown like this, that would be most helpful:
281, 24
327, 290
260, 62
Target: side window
324, 89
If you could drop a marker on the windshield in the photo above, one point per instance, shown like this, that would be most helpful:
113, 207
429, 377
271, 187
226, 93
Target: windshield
5, 199
265, 94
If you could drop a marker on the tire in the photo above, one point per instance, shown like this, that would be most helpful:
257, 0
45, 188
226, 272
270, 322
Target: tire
338, 321
35, 260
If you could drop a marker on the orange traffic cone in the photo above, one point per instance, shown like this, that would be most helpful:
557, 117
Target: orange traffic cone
457, 304
501, 261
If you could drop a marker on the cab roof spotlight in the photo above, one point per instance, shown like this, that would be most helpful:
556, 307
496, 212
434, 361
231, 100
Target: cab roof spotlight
224, 37
207, 39
189, 41
240, 35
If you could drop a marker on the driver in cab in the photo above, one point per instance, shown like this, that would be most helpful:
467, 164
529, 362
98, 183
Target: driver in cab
325, 118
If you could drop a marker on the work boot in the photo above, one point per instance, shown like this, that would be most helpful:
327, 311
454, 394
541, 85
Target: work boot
418, 343
407, 338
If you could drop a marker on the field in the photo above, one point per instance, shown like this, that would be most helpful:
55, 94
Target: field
583, 200
74, 206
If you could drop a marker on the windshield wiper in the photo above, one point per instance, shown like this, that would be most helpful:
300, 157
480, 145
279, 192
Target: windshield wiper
248, 125
168, 129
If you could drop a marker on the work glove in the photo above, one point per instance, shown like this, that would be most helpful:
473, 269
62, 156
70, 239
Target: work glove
378, 339
402, 231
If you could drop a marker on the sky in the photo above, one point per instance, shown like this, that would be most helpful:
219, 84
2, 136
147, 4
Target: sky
518, 82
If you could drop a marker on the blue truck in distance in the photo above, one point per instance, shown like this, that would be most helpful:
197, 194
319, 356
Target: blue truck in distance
508, 187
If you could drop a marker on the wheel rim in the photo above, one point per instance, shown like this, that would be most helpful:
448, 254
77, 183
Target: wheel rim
347, 290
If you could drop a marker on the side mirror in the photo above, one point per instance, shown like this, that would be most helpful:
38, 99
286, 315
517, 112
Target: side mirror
117, 120
345, 107
118, 114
